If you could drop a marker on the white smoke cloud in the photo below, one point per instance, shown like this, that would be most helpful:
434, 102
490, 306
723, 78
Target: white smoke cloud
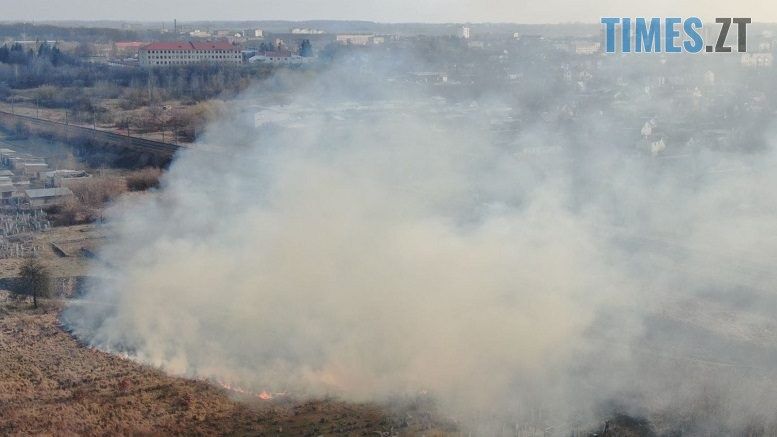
388, 245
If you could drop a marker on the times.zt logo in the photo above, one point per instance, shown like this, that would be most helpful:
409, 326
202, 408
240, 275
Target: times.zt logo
670, 35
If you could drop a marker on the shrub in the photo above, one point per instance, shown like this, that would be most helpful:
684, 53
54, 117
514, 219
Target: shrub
144, 179
94, 192
72, 212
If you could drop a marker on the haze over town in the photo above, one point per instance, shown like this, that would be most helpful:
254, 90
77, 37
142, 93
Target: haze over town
406, 11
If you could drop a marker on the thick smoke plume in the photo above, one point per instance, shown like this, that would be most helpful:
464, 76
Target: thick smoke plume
371, 242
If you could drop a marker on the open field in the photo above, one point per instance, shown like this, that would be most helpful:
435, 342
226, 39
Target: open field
52, 385
49, 384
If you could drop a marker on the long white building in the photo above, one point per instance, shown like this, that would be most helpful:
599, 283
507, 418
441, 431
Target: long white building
185, 52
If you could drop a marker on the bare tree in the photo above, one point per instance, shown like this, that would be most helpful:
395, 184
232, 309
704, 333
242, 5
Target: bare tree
35, 280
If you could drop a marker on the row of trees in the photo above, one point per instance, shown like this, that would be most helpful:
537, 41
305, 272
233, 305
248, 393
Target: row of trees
20, 70
15, 54
139, 93
47, 32
193, 81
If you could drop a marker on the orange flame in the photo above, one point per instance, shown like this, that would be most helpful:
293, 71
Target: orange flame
263, 395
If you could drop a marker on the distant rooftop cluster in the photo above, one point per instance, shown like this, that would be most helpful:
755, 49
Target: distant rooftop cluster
27, 182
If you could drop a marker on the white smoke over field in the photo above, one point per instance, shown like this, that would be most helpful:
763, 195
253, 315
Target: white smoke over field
380, 244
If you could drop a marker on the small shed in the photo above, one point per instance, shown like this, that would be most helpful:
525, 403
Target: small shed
34, 169
61, 178
41, 197
7, 191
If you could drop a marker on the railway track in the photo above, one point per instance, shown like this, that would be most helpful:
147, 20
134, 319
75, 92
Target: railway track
70, 131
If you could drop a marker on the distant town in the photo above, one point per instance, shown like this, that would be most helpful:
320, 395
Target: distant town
155, 86
164, 81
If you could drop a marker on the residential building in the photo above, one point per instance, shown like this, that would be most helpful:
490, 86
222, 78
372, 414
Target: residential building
185, 52
26, 165
34, 169
63, 178
756, 60
7, 190
42, 197
355, 39
197, 33
306, 31
127, 48
278, 58
6, 155
587, 47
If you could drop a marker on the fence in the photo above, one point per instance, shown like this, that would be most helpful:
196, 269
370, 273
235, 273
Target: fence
73, 133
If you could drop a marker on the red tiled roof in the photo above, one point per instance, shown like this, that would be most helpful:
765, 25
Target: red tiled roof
169, 46
186, 45
213, 45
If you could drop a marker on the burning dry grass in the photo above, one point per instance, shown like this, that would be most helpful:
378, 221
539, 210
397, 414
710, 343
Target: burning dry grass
51, 385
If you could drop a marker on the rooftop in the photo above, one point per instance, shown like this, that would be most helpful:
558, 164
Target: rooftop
48, 192
188, 45
63, 173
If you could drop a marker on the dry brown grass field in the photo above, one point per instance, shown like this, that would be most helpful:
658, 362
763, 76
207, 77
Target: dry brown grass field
52, 385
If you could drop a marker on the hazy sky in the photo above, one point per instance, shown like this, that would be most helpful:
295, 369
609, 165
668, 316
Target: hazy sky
519, 11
